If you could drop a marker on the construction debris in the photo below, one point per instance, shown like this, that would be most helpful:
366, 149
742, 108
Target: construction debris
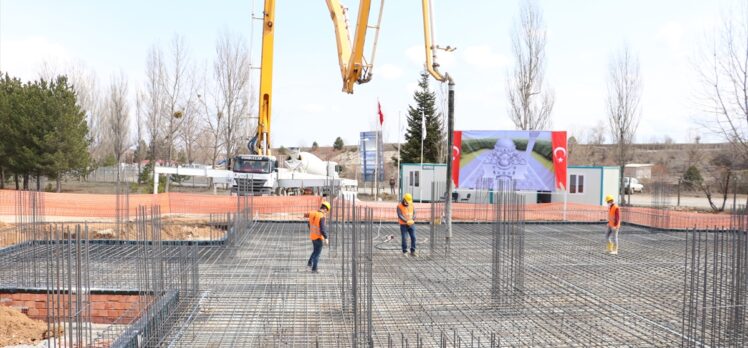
16, 328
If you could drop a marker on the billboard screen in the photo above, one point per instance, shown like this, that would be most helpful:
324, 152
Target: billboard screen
371, 149
534, 160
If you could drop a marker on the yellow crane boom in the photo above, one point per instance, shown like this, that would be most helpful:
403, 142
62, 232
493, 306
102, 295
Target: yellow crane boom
350, 58
261, 142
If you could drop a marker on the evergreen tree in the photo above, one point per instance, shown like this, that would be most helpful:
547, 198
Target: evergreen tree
425, 104
42, 130
10, 96
66, 143
338, 144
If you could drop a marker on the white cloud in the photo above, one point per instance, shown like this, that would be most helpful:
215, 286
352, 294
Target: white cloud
389, 71
23, 58
482, 56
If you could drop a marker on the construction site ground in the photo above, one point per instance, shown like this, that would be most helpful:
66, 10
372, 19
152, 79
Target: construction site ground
259, 292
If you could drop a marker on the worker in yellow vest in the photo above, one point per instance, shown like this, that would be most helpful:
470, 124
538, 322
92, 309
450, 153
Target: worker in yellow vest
406, 216
318, 234
614, 224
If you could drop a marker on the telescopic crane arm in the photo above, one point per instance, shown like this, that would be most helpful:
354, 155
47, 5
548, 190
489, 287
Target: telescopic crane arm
260, 144
433, 68
353, 67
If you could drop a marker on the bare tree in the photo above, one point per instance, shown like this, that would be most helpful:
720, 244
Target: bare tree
231, 72
725, 80
213, 116
178, 90
117, 110
190, 130
153, 100
596, 134
530, 100
118, 116
623, 103
141, 149
718, 174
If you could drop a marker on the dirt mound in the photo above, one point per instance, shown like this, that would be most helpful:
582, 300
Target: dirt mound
172, 228
17, 328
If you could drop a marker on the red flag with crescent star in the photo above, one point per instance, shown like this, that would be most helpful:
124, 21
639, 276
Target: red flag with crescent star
560, 158
456, 154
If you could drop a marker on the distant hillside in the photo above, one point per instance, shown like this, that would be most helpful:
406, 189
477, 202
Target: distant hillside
671, 160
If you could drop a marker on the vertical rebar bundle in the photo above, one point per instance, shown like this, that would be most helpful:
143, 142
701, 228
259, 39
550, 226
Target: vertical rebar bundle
508, 246
122, 207
716, 286
68, 286
436, 231
352, 230
243, 217
659, 217
29, 216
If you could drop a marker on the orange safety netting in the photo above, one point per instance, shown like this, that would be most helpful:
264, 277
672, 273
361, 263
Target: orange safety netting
292, 208
105, 205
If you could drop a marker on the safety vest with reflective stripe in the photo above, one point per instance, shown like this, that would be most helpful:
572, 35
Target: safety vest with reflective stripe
314, 225
614, 212
405, 211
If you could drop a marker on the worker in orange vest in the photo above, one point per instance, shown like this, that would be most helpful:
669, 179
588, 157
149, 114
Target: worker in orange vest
318, 234
614, 224
406, 216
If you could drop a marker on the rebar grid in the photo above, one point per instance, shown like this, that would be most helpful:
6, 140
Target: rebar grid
257, 293
254, 290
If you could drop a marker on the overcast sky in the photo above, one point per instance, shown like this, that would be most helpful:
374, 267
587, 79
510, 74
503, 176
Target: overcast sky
109, 36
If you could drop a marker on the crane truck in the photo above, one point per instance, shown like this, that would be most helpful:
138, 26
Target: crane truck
259, 172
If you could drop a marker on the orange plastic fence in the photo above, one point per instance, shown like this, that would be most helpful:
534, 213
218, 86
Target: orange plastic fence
75, 205
105, 205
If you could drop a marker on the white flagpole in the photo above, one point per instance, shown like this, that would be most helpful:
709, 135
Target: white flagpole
399, 116
376, 164
420, 175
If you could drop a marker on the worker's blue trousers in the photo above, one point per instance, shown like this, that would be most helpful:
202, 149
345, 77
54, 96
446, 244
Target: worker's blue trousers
404, 231
314, 259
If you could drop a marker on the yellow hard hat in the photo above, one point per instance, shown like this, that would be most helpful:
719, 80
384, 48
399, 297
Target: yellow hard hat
408, 198
326, 205
609, 198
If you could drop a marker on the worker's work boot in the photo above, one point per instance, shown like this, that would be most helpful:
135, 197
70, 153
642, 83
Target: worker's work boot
609, 248
614, 250
413, 254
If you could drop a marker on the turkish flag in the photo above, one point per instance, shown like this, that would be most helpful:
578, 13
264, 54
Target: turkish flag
381, 115
560, 158
456, 154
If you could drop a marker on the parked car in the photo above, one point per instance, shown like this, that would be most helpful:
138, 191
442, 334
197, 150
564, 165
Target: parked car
632, 185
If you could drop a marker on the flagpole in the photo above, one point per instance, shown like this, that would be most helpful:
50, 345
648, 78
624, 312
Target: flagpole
376, 164
420, 175
399, 117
